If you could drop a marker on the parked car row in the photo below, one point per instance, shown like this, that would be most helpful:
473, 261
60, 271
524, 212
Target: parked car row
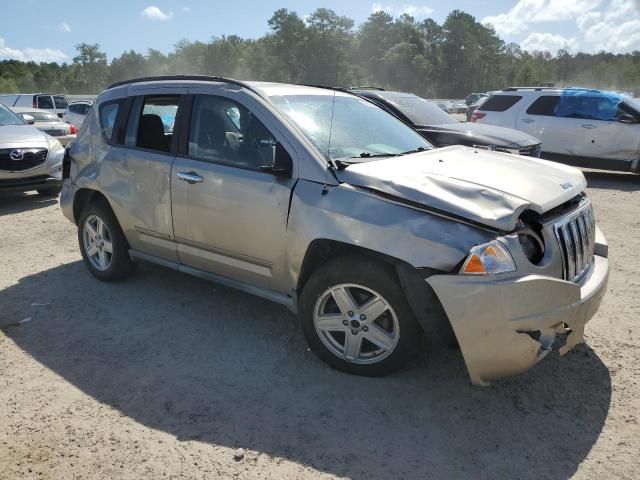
320, 200
582, 127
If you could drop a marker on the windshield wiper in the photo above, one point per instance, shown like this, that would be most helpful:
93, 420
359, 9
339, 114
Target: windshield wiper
416, 150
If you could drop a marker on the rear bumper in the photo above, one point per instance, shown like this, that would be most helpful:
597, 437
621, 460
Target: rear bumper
505, 327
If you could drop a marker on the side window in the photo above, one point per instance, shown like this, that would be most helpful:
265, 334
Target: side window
45, 101
151, 122
74, 108
544, 105
223, 131
84, 109
108, 114
499, 103
60, 101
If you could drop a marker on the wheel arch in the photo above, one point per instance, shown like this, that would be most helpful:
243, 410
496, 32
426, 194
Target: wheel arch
421, 297
84, 197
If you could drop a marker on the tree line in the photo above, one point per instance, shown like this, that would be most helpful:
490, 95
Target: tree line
434, 61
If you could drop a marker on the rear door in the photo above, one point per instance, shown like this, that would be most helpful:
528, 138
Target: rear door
146, 172
45, 102
60, 104
538, 119
229, 215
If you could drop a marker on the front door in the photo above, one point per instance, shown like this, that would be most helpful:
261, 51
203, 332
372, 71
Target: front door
230, 216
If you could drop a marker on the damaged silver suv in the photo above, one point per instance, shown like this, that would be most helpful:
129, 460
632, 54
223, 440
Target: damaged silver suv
321, 201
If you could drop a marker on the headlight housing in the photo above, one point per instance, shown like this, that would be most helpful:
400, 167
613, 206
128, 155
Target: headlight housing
488, 259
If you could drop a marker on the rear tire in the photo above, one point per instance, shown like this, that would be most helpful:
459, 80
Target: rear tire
104, 248
334, 305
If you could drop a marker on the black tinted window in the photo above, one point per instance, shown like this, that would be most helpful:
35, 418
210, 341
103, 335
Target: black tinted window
108, 114
225, 132
60, 101
45, 101
544, 105
500, 103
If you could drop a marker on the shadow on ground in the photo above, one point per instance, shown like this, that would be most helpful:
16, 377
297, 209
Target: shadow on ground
624, 182
11, 203
207, 363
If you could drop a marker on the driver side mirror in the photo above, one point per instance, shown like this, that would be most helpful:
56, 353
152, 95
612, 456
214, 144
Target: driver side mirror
282, 164
627, 118
29, 119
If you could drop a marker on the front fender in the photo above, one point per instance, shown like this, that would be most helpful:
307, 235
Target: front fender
354, 217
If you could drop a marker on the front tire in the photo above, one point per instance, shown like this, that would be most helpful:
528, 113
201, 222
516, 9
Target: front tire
356, 318
104, 248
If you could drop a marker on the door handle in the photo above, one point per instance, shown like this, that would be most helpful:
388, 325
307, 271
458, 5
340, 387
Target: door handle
528, 120
588, 126
190, 177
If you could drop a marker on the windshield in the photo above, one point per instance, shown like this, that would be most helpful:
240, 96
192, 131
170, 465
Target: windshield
419, 110
41, 116
342, 126
7, 117
632, 102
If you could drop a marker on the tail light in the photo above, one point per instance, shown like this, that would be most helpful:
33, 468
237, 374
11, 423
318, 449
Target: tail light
72, 129
477, 116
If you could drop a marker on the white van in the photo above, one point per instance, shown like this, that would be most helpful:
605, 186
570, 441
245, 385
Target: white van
56, 104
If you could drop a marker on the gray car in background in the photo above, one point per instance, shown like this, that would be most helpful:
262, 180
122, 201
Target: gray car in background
29, 158
321, 201
48, 123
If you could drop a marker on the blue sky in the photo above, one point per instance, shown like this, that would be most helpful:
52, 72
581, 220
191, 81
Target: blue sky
48, 31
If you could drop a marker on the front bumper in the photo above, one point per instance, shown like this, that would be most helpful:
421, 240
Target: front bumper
46, 176
505, 327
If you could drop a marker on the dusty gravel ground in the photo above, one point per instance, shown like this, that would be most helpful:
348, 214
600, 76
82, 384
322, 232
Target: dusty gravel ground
166, 376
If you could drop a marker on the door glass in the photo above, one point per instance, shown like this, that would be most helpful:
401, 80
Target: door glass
60, 101
156, 122
544, 105
223, 131
45, 101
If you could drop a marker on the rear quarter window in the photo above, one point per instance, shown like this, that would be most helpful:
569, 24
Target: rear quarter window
499, 103
544, 105
108, 115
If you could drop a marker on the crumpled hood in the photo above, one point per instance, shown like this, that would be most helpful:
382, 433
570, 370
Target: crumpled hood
490, 134
21, 136
487, 187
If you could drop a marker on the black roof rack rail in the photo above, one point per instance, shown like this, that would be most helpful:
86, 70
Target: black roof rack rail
366, 87
201, 78
535, 89
326, 87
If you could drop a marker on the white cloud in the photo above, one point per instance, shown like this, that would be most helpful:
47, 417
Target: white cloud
417, 11
186, 9
155, 14
616, 29
525, 12
548, 42
64, 27
37, 55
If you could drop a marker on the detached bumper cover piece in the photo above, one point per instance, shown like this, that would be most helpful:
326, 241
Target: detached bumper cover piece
504, 327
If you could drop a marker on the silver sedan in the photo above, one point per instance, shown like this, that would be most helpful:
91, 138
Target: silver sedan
48, 123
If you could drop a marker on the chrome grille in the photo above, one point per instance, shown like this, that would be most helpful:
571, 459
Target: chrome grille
31, 158
576, 235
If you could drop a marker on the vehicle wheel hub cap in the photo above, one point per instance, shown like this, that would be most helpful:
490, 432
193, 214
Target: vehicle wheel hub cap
97, 244
356, 323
